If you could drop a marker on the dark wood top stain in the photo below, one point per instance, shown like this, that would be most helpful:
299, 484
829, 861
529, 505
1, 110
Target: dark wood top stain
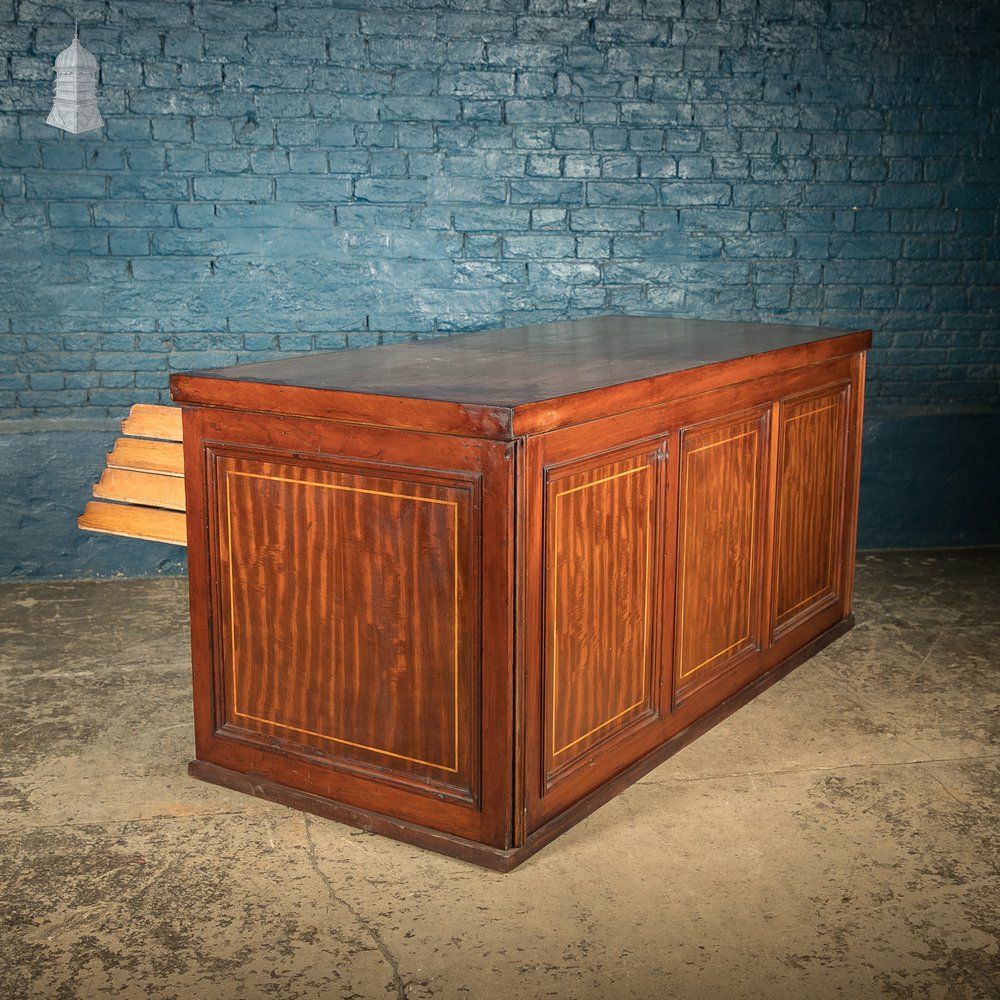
509, 371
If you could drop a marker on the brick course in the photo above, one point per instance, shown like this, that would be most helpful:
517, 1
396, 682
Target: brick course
289, 176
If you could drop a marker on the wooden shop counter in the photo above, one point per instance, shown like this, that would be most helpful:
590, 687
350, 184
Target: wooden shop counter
463, 591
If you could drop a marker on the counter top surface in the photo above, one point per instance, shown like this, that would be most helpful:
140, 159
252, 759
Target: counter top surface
512, 367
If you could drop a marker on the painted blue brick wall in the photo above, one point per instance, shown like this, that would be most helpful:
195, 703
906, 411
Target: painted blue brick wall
284, 176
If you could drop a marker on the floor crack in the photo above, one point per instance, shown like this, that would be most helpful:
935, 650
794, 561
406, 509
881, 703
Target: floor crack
363, 922
930, 774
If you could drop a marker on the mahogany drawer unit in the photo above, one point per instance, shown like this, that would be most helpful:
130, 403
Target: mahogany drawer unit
462, 591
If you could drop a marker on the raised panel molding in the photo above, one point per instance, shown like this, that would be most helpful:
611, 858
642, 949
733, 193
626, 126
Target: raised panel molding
373, 666
721, 506
599, 597
811, 481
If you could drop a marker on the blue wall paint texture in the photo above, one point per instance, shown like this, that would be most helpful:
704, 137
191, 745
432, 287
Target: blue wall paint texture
291, 176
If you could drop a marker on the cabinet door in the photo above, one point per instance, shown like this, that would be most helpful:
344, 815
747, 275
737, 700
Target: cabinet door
347, 600
720, 529
810, 512
599, 617
593, 535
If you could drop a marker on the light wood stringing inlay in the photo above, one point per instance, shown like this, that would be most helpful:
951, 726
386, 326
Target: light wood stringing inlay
739, 484
450, 768
569, 744
796, 529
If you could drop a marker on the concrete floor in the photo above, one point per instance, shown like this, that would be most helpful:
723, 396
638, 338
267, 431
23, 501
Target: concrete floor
836, 838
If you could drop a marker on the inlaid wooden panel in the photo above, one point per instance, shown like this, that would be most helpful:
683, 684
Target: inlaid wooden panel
719, 547
348, 630
809, 517
598, 604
